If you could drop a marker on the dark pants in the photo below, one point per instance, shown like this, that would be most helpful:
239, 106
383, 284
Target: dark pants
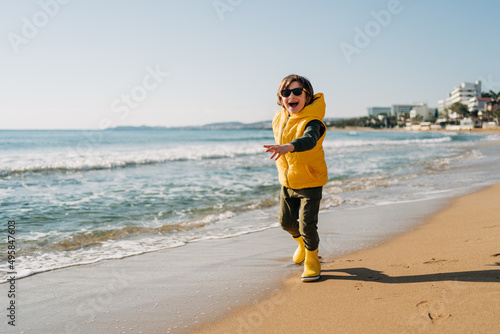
299, 214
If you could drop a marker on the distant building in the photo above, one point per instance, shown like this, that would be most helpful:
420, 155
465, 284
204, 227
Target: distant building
375, 111
462, 93
478, 103
401, 109
428, 114
442, 105
465, 92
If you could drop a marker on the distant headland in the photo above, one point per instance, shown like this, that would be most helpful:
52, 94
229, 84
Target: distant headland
264, 125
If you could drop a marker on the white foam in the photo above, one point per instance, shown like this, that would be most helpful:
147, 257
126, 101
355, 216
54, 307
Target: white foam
33, 236
106, 159
380, 142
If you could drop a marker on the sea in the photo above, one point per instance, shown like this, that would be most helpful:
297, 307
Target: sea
83, 196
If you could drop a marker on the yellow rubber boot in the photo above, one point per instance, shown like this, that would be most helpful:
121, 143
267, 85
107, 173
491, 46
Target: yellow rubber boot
312, 267
300, 252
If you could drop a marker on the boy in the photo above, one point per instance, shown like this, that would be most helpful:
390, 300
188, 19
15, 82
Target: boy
299, 132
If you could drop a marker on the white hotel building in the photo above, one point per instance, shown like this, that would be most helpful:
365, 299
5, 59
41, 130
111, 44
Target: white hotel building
462, 93
401, 109
398, 110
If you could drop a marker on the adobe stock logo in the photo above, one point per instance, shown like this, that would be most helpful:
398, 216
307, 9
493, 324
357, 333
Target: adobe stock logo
121, 108
222, 7
363, 37
489, 83
151, 81
30, 28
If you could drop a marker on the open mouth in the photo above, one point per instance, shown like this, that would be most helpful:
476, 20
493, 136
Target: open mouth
293, 104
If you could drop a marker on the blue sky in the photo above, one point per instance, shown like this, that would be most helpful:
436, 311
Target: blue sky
73, 64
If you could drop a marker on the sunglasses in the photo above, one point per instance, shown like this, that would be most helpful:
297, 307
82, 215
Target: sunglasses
295, 91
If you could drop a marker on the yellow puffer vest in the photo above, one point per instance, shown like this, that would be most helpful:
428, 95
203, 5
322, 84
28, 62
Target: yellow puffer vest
298, 170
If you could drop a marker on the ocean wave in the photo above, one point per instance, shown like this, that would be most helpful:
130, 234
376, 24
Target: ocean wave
84, 239
493, 138
99, 160
377, 181
91, 247
443, 163
371, 143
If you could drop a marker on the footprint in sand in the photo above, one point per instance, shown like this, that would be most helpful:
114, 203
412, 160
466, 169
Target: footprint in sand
434, 311
433, 260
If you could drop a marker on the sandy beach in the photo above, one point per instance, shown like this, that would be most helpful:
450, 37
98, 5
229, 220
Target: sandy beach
442, 277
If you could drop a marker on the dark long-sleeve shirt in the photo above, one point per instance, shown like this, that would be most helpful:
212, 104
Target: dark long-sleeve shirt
313, 131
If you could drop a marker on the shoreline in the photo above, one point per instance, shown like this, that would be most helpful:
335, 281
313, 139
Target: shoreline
441, 277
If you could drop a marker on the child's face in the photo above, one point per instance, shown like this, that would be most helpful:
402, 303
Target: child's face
294, 104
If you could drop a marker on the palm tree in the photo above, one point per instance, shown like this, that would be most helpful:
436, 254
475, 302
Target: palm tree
417, 119
494, 96
445, 114
460, 108
484, 94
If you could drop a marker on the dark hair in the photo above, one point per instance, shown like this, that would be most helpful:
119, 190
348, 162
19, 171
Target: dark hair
303, 81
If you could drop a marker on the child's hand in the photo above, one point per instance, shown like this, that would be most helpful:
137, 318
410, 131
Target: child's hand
279, 150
